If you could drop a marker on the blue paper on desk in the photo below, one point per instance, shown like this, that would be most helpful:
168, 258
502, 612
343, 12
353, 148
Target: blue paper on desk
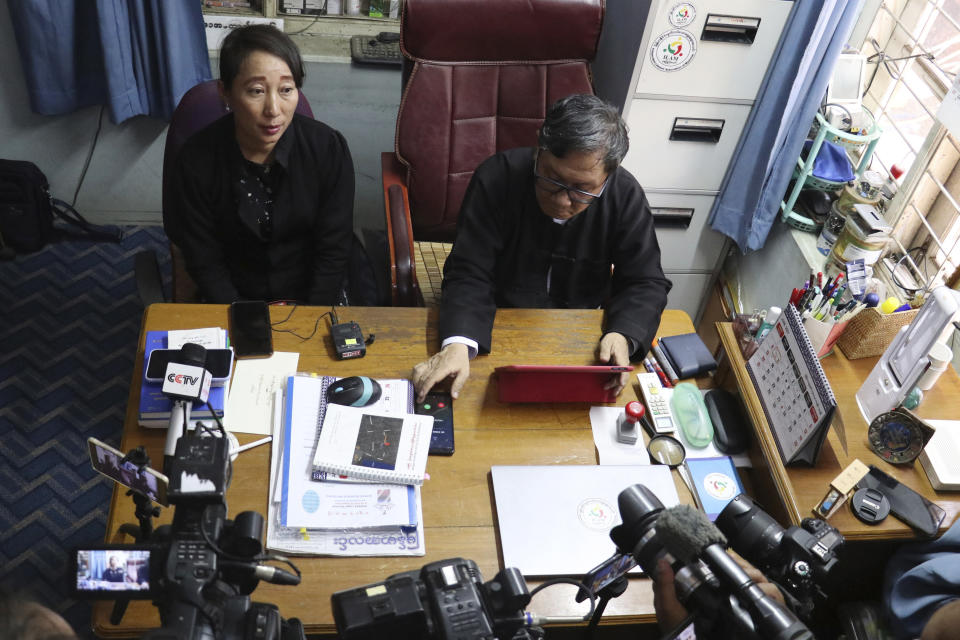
716, 482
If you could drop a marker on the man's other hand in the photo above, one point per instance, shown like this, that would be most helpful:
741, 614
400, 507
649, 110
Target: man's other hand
453, 361
613, 349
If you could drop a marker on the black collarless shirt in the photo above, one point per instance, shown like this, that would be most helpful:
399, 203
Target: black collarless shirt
302, 254
508, 253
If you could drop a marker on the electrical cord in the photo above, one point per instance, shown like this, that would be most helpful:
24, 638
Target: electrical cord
581, 587
921, 258
86, 163
333, 318
323, 12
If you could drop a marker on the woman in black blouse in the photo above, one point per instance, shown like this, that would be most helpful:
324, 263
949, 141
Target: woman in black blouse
264, 205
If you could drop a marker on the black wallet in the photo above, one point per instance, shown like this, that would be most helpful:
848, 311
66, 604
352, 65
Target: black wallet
905, 503
688, 355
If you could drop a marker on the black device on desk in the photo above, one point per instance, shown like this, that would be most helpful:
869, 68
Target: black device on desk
439, 405
905, 503
250, 330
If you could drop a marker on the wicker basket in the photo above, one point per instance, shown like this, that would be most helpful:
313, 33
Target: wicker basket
871, 332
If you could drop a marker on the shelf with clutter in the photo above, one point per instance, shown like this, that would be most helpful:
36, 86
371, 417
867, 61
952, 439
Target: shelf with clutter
824, 166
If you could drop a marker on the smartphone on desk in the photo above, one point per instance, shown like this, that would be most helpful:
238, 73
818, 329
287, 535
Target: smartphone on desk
438, 404
905, 503
250, 332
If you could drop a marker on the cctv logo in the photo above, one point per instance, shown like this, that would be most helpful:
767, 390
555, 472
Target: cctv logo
179, 378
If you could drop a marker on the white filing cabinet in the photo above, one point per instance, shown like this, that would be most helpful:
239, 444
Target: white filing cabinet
685, 75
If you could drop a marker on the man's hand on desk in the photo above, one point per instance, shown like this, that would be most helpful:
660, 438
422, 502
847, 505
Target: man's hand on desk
671, 613
613, 349
453, 361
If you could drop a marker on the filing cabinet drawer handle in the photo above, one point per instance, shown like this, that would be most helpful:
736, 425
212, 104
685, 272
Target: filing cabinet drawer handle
721, 28
696, 129
671, 217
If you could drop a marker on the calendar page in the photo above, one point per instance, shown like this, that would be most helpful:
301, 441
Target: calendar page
793, 389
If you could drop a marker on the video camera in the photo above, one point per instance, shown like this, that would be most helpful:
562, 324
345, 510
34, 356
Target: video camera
199, 571
445, 599
709, 582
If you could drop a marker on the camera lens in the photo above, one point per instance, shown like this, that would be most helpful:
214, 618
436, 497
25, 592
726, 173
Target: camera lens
639, 508
751, 531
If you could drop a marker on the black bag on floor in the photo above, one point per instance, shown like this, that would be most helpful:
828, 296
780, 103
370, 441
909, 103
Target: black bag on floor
27, 211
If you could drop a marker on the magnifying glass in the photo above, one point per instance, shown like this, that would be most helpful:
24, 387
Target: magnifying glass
664, 449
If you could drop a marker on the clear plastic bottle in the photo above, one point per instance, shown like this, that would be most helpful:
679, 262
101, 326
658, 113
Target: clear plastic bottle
831, 229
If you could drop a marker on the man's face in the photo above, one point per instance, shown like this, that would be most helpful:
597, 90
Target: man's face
113, 563
582, 170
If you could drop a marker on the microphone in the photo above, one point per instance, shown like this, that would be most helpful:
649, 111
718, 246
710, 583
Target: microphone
185, 380
688, 535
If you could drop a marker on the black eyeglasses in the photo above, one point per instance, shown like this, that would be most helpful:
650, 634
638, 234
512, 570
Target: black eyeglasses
553, 187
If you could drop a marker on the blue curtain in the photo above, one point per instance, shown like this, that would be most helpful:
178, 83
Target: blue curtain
756, 181
136, 56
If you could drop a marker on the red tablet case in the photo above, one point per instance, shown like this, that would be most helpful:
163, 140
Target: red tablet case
556, 383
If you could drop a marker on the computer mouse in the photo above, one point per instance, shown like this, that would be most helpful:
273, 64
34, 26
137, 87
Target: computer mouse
730, 427
355, 391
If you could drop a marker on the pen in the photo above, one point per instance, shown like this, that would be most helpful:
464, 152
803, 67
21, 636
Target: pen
820, 279
660, 373
255, 443
661, 357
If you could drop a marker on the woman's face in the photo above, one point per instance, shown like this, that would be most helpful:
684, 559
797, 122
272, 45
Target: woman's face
263, 98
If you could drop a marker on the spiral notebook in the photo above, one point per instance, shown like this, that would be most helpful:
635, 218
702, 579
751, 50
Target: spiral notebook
367, 445
793, 389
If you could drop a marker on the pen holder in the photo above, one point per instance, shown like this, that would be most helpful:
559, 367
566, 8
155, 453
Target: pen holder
871, 332
823, 335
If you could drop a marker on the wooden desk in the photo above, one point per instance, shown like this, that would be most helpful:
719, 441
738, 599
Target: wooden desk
458, 503
800, 488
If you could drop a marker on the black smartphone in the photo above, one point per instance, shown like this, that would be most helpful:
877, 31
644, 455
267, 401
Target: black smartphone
606, 572
250, 332
218, 363
107, 460
905, 503
439, 405
114, 571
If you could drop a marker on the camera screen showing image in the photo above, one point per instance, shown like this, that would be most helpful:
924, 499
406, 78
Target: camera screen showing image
603, 574
109, 461
102, 573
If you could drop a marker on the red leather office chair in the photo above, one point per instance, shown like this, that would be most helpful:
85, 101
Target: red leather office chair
199, 107
478, 79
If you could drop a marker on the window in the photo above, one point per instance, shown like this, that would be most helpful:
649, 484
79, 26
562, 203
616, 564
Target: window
914, 53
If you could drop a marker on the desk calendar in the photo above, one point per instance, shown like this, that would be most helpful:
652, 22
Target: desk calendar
795, 394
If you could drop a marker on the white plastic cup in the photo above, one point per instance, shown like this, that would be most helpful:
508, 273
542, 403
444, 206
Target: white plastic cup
940, 357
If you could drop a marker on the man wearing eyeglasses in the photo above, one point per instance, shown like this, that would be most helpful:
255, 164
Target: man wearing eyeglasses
560, 226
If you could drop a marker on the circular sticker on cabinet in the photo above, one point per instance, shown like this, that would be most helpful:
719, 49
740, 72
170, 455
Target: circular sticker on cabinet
596, 514
682, 14
673, 50
720, 486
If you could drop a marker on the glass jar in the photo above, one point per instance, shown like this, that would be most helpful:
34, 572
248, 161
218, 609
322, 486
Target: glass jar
831, 228
864, 236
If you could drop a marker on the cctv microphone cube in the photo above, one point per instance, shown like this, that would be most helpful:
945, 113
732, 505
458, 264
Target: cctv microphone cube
186, 382
348, 340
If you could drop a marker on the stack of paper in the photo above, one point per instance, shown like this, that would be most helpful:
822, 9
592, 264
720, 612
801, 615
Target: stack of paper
346, 515
155, 407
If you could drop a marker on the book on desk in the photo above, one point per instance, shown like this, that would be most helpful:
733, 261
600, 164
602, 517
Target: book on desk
310, 516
